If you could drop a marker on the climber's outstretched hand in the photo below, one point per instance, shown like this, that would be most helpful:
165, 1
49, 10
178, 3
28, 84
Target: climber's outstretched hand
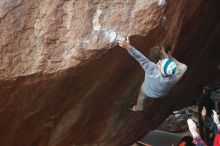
162, 50
124, 43
167, 53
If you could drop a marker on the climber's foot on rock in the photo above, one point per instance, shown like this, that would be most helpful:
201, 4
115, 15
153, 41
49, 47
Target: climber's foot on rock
134, 108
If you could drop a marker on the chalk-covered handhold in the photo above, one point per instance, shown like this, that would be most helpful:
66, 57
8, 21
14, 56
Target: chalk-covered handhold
161, 2
112, 36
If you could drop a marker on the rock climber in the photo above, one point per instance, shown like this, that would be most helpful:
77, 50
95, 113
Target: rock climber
159, 78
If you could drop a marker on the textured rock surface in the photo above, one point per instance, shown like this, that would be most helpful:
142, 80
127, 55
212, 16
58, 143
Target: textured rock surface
50, 36
64, 83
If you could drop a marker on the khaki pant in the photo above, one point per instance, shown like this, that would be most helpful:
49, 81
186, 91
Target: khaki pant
141, 98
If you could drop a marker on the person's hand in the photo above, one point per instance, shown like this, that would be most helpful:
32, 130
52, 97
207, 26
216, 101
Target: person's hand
203, 113
215, 117
192, 127
162, 50
169, 53
124, 43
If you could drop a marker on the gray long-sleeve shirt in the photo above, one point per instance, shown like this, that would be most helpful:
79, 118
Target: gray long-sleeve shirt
155, 85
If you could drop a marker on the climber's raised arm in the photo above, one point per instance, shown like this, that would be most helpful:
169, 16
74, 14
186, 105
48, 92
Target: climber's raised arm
145, 63
181, 67
164, 53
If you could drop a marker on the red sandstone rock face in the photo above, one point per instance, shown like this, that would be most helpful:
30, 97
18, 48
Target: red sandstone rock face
50, 36
63, 81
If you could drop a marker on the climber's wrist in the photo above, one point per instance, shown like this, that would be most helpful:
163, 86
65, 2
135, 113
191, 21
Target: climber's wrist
129, 47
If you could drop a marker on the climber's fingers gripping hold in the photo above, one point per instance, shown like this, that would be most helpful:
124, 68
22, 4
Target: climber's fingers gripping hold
124, 43
120, 41
128, 40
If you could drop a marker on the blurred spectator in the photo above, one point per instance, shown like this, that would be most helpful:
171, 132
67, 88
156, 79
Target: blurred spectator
209, 104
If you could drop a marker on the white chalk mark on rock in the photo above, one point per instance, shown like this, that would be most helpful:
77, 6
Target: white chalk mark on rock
111, 36
96, 24
161, 2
